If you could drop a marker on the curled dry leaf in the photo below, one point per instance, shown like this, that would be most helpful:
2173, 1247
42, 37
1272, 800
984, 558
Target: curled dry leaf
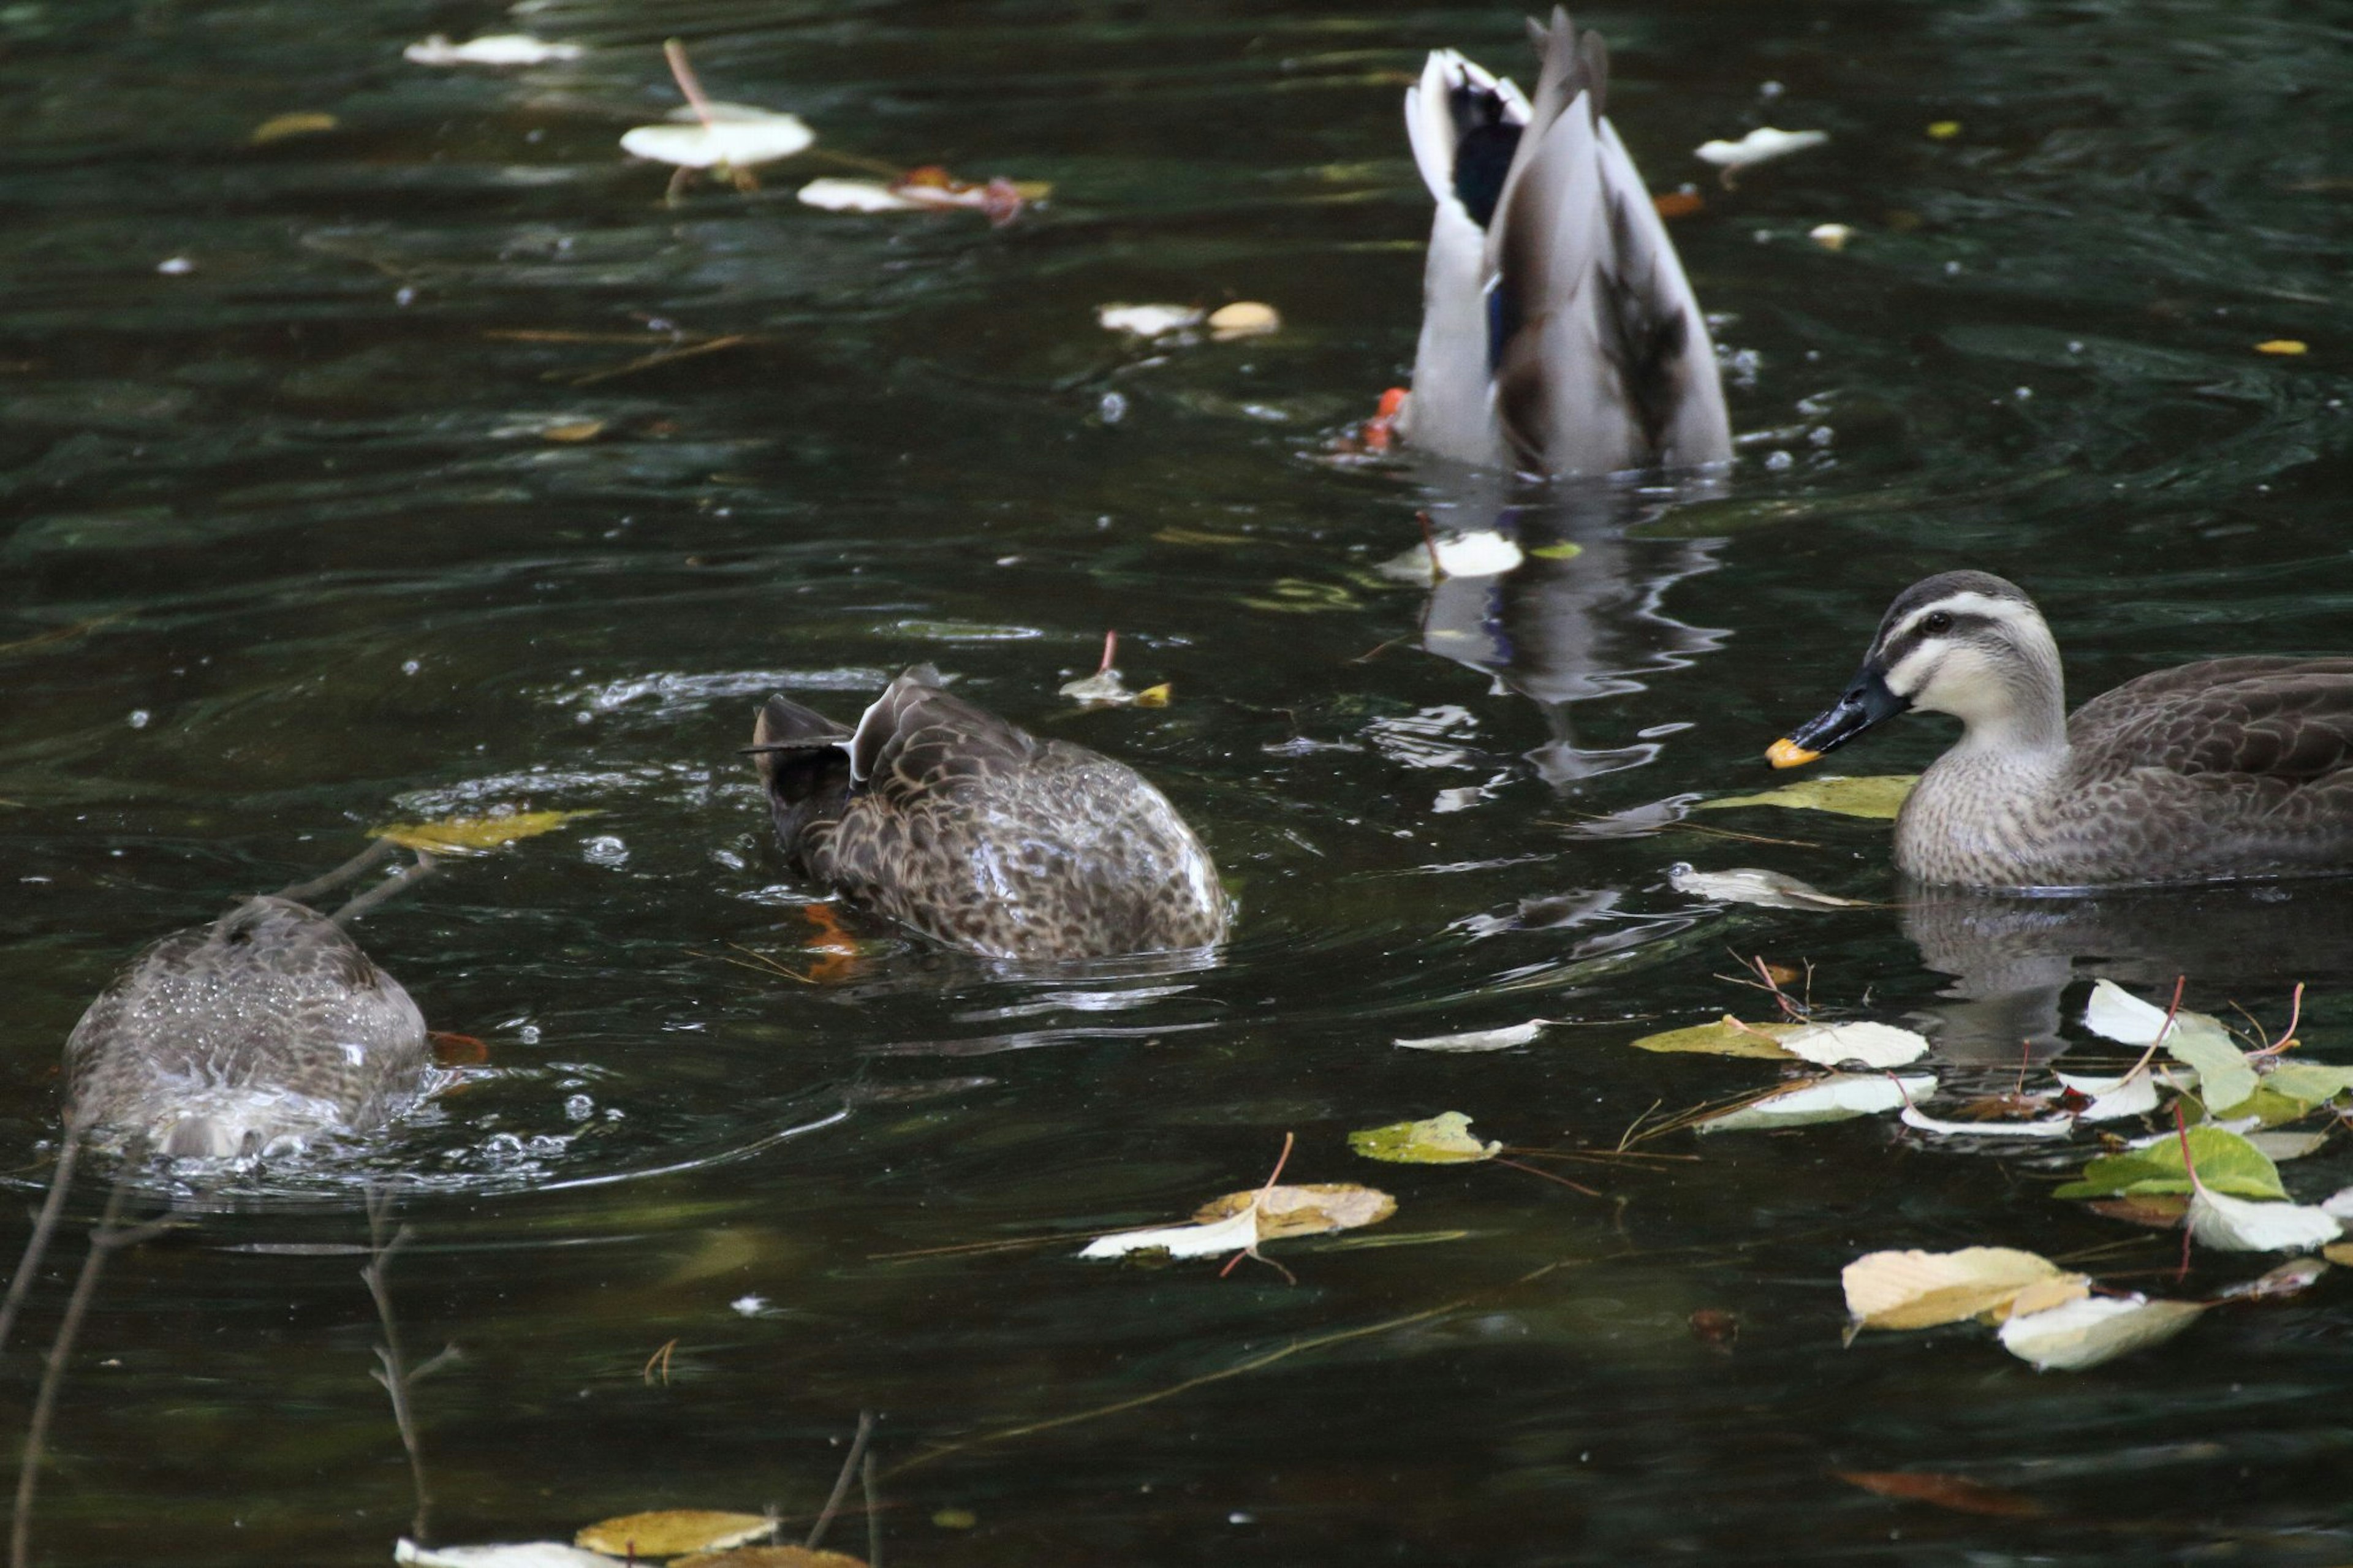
2237, 1224
489, 49
1441, 1140
1311, 1208
2096, 1329
1954, 1492
1840, 1097
474, 834
519, 1555
1727, 1036
1921, 1290
1747, 885
1872, 1044
1876, 797
1502, 1039
673, 1532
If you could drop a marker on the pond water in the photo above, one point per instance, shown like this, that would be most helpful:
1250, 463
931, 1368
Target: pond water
335, 491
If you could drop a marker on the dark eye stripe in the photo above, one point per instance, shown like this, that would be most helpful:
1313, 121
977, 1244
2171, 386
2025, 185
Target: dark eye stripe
1965, 624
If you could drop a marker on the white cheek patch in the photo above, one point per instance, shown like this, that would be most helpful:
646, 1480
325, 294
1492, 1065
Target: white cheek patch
1909, 677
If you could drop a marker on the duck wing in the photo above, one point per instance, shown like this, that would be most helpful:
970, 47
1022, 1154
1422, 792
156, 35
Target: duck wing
1601, 358
2289, 719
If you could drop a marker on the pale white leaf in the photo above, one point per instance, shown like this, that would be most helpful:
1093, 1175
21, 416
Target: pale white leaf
1147, 321
856, 196
734, 139
2198, 1039
1747, 885
1480, 553
2095, 1328
2048, 1127
522, 1554
1501, 1039
2113, 1098
490, 49
1232, 1234
1915, 1289
1872, 1044
1761, 146
1840, 1097
2280, 1146
2338, 1204
2244, 1225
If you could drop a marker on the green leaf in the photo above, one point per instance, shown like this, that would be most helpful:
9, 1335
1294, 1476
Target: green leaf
1879, 798
2226, 1163
1725, 1037
2224, 1077
2309, 1083
1442, 1140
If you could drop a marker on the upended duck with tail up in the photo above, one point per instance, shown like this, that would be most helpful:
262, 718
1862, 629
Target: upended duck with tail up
1559, 335
2223, 769
947, 818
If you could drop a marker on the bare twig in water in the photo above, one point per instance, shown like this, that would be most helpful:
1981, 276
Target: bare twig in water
873, 1513
841, 1481
44, 1227
660, 1361
1547, 1175
107, 1239
396, 1376
658, 358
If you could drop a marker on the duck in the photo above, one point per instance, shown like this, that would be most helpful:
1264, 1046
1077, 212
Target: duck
937, 813
1559, 335
249, 1037
2220, 769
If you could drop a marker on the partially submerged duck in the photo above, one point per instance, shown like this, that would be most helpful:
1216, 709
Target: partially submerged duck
2227, 768
1559, 334
947, 818
252, 1036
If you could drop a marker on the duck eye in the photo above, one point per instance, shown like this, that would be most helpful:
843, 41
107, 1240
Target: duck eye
1937, 624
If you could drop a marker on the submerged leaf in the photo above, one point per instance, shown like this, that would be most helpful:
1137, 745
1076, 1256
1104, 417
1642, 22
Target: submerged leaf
1878, 796
1921, 1290
1310, 1208
1441, 1140
1840, 1097
474, 834
2226, 1163
1872, 1044
672, 1532
2096, 1329
1727, 1036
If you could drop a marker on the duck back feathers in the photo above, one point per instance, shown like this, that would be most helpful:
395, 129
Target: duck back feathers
948, 818
262, 1029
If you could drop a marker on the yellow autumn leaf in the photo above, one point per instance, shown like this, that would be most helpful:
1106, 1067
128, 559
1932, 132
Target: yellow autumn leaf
1944, 130
1727, 1036
1311, 1209
575, 431
1878, 796
1441, 1140
474, 834
278, 127
2282, 346
1921, 1290
672, 1532
1152, 696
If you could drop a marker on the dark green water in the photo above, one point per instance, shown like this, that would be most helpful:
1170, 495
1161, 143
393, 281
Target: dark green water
327, 571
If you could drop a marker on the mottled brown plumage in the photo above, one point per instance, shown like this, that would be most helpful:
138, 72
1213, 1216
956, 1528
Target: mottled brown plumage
2228, 768
946, 817
250, 1036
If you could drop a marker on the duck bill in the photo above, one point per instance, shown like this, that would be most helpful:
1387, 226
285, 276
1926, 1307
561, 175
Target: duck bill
1866, 701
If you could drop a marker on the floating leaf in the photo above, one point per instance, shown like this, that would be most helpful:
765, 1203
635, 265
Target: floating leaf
673, 1532
1501, 1039
1840, 1097
1944, 130
2280, 1147
2048, 1127
1236, 1232
856, 196
2226, 1163
1482, 553
1147, 321
2288, 346
1746, 885
1243, 319
278, 127
735, 136
774, 1557
1761, 146
2235, 1224
1877, 796
1830, 236
1921, 1290
1727, 1036
2292, 1277
2113, 1098
2195, 1039
1442, 1140
1954, 1492
522, 1554
2339, 1253
1872, 1044
1310, 1208
489, 49
474, 834
2096, 1329
2310, 1083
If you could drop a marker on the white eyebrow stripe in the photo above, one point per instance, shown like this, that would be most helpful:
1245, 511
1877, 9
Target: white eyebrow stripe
1962, 604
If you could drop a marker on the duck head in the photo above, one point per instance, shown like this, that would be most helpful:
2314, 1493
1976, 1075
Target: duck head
1965, 642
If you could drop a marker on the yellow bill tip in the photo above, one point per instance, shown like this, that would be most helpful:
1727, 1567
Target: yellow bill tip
1786, 753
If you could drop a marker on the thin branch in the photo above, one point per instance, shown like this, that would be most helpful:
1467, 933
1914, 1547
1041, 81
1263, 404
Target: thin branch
841, 1481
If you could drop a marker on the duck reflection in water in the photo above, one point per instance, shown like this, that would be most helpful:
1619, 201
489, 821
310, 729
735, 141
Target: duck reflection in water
1573, 611
2013, 956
